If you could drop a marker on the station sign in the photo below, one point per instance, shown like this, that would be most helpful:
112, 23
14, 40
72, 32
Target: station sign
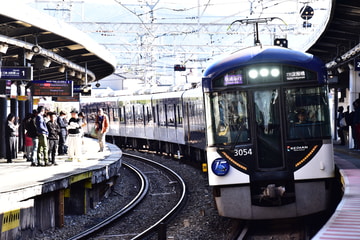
16, 73
54, 88
357, 64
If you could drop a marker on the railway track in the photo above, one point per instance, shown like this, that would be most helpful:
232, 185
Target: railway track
283, 229
158, 185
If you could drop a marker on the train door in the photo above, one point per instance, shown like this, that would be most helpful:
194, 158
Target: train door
267, 128
270, 173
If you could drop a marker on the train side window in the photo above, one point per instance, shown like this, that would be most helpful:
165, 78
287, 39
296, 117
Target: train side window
170, 114
115, 114
155, 113
179, 115
198, 114
91, 115
161, 115
122, 114
129, 114
111, 114
148, 115
139, 114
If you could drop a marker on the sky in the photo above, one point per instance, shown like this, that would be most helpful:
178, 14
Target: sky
157, 34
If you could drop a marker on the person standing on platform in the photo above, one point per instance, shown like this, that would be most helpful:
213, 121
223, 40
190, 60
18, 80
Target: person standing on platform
11, 133
101, 127
28, 143
63, 124
340, 125
31, 130
42, 152
83, 124
74, 138
53, 137
356, 124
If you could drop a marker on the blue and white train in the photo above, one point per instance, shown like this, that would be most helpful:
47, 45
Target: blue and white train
260, 123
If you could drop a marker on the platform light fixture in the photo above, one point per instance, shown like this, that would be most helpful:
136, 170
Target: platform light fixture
46, 62
3, 48
29, 55
340, 70
62, 68
79, 75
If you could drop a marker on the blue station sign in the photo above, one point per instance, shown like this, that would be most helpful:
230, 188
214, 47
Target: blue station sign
357, 64
16, 73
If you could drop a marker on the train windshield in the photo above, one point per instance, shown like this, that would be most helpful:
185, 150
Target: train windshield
307, 113
230, 117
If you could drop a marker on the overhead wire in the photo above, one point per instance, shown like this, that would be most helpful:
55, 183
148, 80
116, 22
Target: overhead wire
134, 13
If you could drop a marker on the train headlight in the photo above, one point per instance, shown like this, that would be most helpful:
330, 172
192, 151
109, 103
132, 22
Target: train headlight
220, 167
264, 72
275, 72
253, 74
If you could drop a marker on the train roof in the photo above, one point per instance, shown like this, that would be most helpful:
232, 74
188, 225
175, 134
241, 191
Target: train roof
167, 95
264, 54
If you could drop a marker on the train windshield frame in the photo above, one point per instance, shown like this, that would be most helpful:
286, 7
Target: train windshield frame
230, 118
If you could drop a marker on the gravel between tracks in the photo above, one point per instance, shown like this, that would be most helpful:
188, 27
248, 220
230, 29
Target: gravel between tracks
197, 220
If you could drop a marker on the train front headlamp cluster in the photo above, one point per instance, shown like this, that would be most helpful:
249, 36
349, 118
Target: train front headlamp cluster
264, 72
220, 166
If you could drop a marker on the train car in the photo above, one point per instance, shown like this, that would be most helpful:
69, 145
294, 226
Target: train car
90, 107
168, 116
136, 120
165, 122
269, 147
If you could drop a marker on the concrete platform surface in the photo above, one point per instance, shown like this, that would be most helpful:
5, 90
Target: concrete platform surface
19, 181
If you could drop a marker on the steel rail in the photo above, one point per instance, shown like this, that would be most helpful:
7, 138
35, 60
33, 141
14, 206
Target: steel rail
182, 199
144, 188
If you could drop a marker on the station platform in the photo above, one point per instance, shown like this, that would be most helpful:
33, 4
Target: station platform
27, 192
345, 222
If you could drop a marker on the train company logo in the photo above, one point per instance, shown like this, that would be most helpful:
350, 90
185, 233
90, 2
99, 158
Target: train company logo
220, 167
297, 148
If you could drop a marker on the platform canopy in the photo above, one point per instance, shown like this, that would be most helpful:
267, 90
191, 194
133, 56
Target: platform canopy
339, 43
55, 50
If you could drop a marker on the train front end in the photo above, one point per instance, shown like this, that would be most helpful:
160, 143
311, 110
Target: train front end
269, 147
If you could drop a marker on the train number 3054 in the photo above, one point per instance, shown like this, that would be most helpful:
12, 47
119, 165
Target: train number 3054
242, 152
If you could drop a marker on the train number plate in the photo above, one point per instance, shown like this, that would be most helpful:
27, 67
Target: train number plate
238, 152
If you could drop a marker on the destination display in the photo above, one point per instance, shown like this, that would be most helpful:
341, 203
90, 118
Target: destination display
52, 88
16, 73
